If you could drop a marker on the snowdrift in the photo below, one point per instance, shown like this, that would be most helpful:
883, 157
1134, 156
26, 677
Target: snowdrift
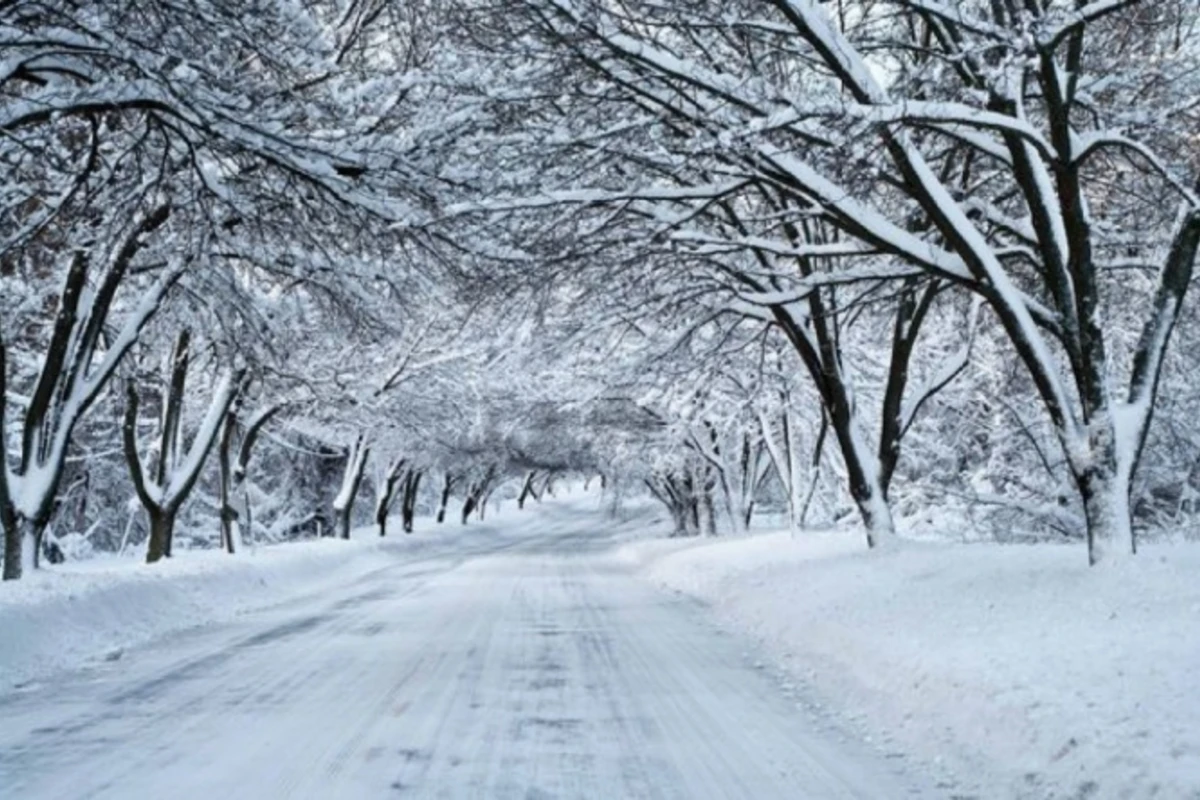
1015, 671
62, 617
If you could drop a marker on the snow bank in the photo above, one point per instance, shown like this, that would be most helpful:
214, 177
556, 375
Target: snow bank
1018, 670
61, 617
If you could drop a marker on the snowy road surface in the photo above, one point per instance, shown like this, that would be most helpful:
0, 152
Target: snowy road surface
535, 668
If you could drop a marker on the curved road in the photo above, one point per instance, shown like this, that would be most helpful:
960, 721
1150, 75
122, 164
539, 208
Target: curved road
535, 668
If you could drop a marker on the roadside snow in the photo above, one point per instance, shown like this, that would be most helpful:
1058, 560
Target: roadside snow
1017, 669
62, 617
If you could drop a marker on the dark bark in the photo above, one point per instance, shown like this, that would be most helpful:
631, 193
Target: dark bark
815, 340
483, 504
26, 537
478, 494
387, 494
68, 384
162, 530
12, 551
526, 489
679, 496
170, 490
168, 449
910, 314
355, 469
408, 506
447, 486
8, 521
40, 419
40, 410
356, 466
233, 473
133, 460
710, 512
229, 514
824, 368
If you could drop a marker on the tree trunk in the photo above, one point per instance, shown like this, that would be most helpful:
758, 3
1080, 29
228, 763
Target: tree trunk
693, 505
12, 551
236, 523
224, 455
72, 376
408, 506
862, 468
877, 519
526, 490
229, 528
162, 529
1106, 510
678, 495
343, 504
468, 507
21, 541
1104, 484
244, 527
709, 512
820, 351
383, 504
174, 477
33, 555
447, 485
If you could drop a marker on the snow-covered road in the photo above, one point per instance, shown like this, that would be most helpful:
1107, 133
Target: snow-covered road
534, 668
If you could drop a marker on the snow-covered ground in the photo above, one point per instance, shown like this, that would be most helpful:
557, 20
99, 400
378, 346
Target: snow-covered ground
1000, 671
58, 618
66, 615
1014, 671
523, 665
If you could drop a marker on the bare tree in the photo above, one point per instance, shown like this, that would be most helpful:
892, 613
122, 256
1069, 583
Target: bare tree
994, 173
164, 492
236, 520
80, 359
352, 477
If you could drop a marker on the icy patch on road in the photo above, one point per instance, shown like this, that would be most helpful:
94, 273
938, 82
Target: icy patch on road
1018, 669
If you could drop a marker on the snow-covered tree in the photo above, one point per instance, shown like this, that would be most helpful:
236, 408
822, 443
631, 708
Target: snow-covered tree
993, 147
164, 490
